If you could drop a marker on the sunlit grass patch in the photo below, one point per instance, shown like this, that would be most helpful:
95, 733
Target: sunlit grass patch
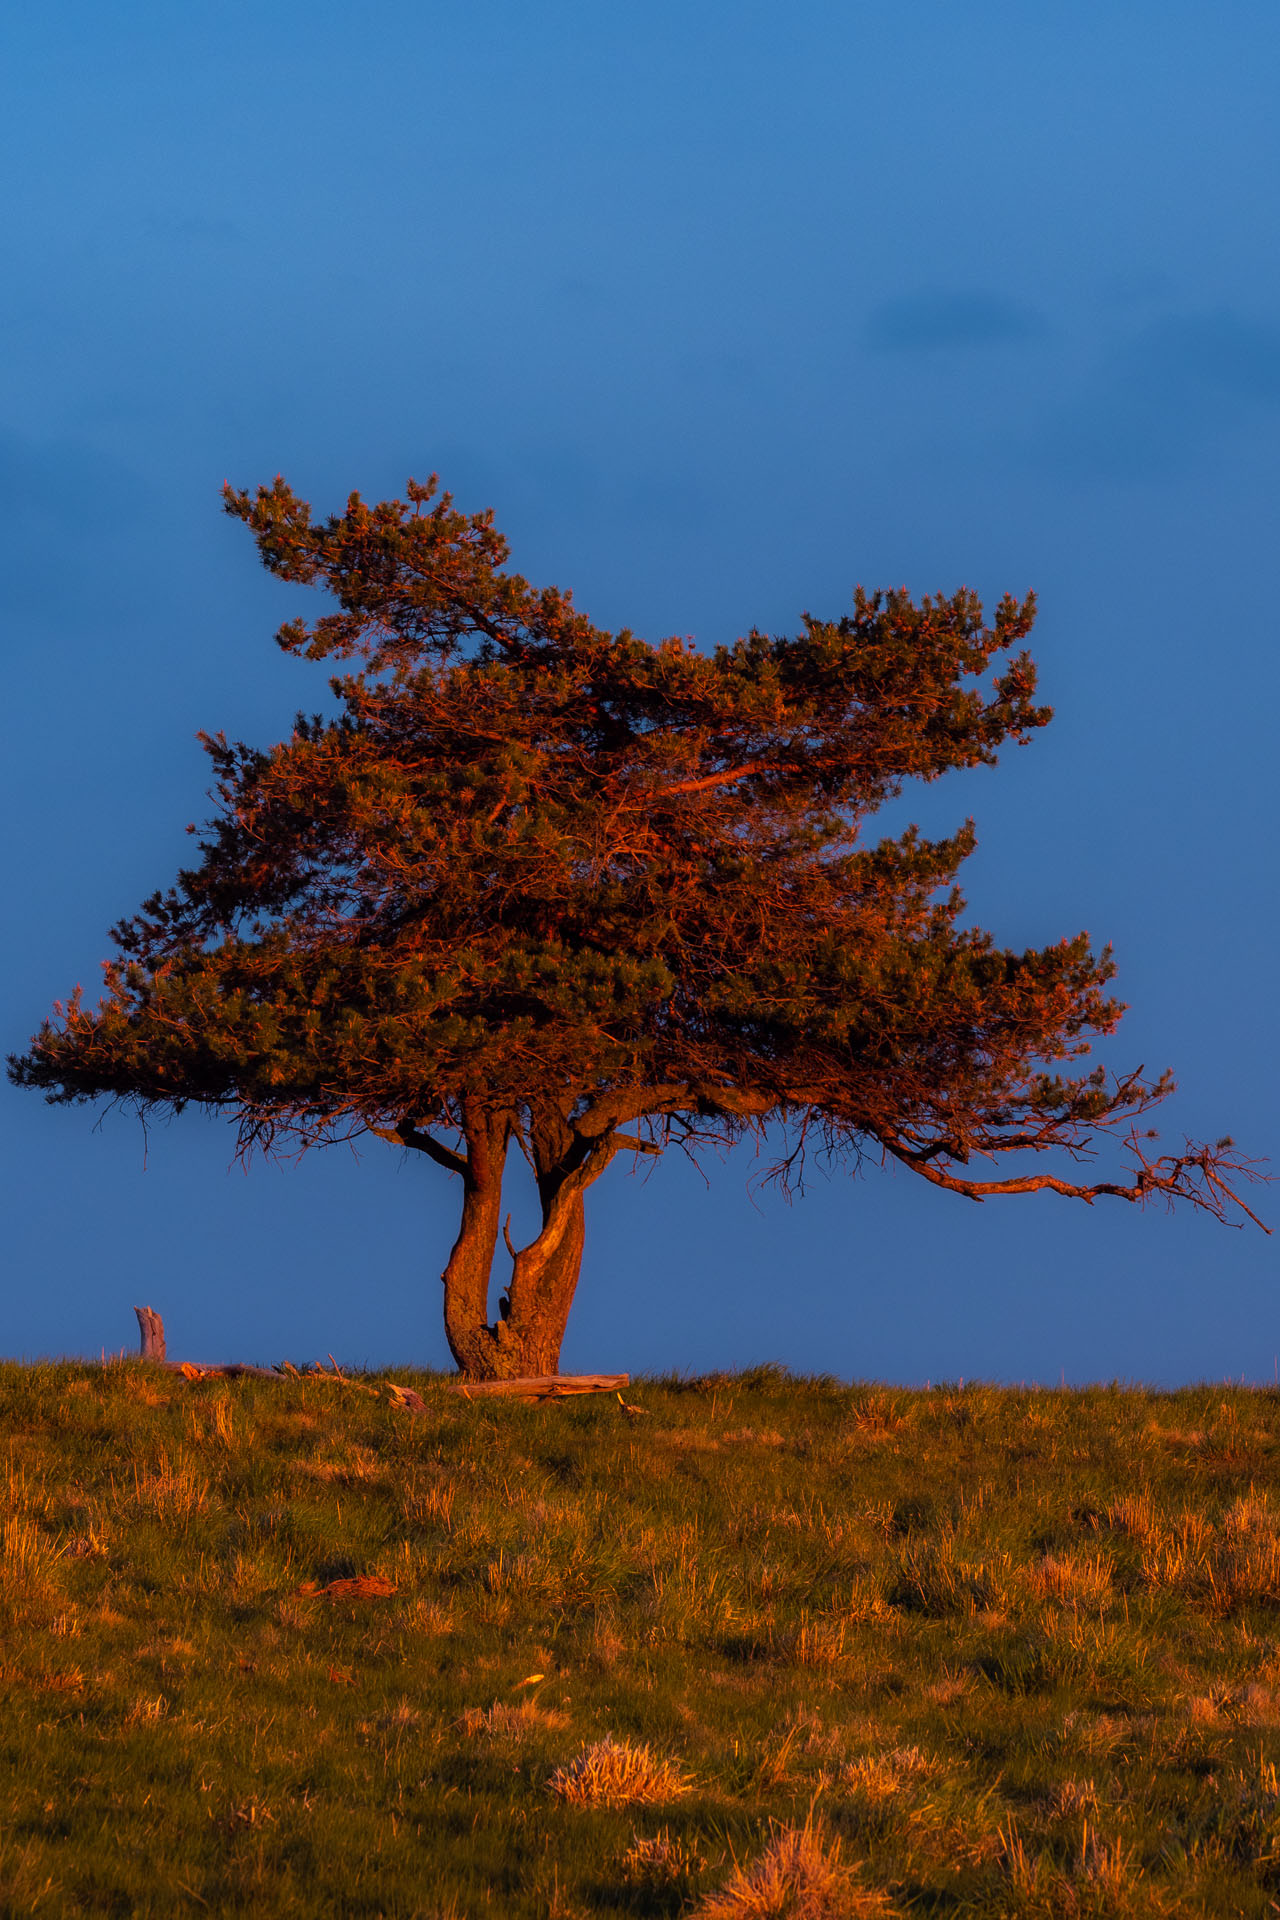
616, 1773
877, 1415
881, 1775
939, 1577
660, 1862
798, 1876
508, 1720
1074, 1579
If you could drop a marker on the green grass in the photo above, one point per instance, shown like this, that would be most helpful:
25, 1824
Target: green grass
966, 1651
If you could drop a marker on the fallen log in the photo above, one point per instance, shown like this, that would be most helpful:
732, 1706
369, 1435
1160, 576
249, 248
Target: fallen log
541, 1386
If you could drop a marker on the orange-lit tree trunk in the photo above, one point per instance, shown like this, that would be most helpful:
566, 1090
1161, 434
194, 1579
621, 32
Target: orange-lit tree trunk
466, 1278
526, 1337
544, 1275
544, 1279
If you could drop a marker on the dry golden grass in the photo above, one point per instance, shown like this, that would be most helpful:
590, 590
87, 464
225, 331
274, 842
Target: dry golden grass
614, 1773
799, 1876
431, 1506
1073, 1579
507, 1721
659, 1861
24, 1550
881, 1775
1072, 1798
876, 1416
816, 1644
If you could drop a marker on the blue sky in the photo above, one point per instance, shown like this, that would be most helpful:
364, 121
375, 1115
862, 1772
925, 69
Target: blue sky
723, 310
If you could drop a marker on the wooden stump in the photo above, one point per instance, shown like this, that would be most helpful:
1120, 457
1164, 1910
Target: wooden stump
151, 1327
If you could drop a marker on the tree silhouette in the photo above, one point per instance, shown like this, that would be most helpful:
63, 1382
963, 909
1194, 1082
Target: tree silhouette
538, 884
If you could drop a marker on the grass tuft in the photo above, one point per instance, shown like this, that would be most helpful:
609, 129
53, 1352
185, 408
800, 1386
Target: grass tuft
614, 1773
658, 1861
799, 1876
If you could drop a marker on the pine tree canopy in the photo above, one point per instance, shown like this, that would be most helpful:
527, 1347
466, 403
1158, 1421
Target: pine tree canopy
538, 883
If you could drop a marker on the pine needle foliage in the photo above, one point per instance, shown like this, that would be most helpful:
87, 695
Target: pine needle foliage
538, 883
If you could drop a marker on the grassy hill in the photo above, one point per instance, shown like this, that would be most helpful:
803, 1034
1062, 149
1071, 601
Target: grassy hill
766, 1646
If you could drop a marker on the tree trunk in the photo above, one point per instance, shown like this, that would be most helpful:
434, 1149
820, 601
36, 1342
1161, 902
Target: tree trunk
472, 1341
525, 1339
544, 1279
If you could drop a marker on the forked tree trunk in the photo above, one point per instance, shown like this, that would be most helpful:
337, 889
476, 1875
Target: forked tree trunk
527, 1335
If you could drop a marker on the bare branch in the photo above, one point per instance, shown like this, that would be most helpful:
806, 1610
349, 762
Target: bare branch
406, 1135
633, 1144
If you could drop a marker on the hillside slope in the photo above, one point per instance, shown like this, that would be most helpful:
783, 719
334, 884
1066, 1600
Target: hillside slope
284, 1648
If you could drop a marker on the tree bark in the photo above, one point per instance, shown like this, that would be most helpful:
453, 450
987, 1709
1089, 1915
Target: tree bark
544, 1275
472, 1340
544, 1278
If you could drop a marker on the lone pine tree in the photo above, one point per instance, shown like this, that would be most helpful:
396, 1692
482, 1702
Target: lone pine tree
538, 884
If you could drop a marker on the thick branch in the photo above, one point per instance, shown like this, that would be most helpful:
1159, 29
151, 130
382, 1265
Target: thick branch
720, 779
696, 1096
406, 1135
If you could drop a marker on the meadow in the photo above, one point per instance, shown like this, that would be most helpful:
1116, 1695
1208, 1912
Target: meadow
740, 1646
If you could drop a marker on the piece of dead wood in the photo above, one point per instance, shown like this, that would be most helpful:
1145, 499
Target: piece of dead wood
391, 1390
364, 1586
398, 1396
151, 1329
231, 1371
541, 1386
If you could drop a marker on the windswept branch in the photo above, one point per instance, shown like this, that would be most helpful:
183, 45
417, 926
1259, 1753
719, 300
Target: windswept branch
1202, 1176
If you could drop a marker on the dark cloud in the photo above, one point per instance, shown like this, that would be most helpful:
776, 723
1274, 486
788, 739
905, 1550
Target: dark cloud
1162, 397
946, 321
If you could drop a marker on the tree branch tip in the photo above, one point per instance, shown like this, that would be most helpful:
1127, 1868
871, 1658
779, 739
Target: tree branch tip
506, 1234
